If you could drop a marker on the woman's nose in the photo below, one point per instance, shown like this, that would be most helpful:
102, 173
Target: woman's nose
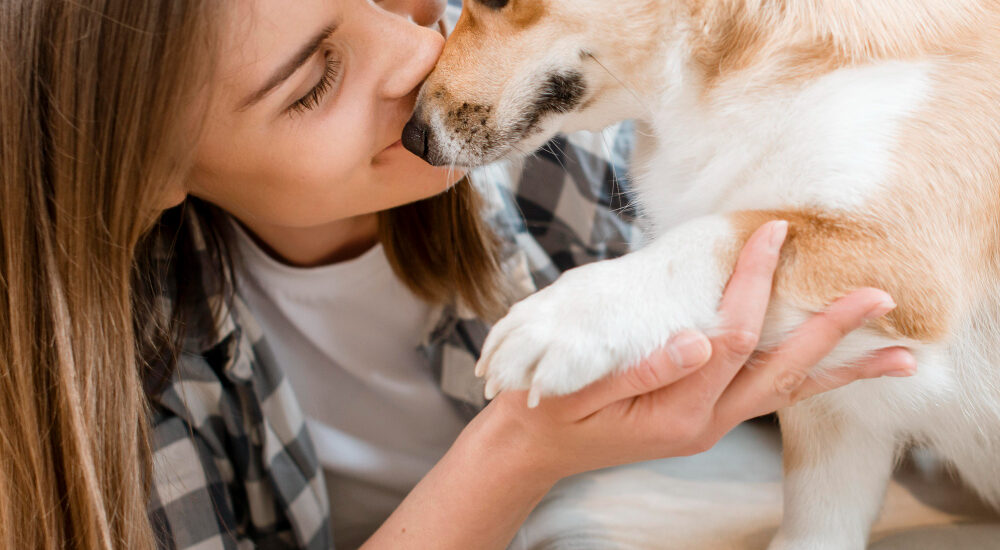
409, 53
425, 13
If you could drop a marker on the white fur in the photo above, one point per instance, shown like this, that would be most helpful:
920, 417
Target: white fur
572, 332
826, 146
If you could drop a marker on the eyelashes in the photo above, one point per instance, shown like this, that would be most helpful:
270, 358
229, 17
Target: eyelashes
315, 96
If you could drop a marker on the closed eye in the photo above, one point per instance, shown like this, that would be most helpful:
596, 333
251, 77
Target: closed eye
312, 98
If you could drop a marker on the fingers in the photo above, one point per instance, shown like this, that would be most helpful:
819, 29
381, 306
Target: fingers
742, 311
683, 355
817, 337
783, 375
748, 293
897, 362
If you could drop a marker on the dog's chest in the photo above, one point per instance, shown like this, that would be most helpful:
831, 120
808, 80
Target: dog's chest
828, 144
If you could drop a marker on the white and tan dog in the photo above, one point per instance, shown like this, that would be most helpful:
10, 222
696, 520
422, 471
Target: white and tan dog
873, 126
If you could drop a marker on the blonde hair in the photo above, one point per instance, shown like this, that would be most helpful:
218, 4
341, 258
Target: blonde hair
91, 92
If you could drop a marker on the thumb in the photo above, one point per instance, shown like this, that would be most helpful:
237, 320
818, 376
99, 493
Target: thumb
684, 354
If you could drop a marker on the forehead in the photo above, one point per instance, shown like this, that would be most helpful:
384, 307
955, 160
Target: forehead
262, 34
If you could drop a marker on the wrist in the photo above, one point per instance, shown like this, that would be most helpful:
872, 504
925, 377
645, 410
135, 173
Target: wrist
477, 496
502, 445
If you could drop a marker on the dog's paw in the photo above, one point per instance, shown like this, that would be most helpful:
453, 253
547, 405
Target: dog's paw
562, 339
607, 316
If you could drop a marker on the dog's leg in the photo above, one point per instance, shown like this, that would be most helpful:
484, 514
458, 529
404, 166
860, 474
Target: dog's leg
837, 468
610, 315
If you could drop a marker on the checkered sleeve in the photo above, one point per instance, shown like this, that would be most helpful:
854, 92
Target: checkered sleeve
190, 505
572, 200
233, 464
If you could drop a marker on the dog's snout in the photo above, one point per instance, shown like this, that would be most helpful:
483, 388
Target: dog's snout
415, 137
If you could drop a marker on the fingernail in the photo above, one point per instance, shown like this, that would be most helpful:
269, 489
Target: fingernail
689, 349
900, 373
880, 309
907, 367
492, 388
778, 233
480, 369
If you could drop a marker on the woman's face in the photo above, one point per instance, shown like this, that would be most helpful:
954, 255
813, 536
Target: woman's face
308, 108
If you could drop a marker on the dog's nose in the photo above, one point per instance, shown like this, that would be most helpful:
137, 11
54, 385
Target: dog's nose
415, 137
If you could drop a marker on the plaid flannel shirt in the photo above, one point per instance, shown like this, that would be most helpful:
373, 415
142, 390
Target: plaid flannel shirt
234, 466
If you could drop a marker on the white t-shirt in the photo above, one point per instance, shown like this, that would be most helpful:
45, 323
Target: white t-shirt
346, 336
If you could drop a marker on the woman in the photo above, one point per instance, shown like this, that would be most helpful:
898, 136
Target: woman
141, 140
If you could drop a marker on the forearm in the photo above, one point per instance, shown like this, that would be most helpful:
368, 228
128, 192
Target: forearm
477, 496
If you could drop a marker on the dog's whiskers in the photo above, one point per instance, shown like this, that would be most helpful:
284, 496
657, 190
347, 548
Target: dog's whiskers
558, 155
616, 188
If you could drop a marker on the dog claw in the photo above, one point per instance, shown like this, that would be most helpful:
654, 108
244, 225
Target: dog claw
534, 397
492, 388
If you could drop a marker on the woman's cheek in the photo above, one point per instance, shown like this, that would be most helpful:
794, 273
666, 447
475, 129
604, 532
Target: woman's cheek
330, 152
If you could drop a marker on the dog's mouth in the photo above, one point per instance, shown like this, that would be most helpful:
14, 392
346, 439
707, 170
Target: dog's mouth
471, 134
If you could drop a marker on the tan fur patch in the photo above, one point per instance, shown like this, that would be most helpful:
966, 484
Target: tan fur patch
827, 256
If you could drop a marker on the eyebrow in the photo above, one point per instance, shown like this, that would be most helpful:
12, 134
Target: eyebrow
289, 68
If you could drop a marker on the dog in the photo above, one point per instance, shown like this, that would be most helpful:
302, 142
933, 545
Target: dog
872, 126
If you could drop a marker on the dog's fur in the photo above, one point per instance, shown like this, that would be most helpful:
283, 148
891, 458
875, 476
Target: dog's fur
873, 126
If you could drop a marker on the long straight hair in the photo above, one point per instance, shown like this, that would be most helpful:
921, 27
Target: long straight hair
98, 116
92, 98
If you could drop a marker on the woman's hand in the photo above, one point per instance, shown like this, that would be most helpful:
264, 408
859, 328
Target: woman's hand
682, 400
